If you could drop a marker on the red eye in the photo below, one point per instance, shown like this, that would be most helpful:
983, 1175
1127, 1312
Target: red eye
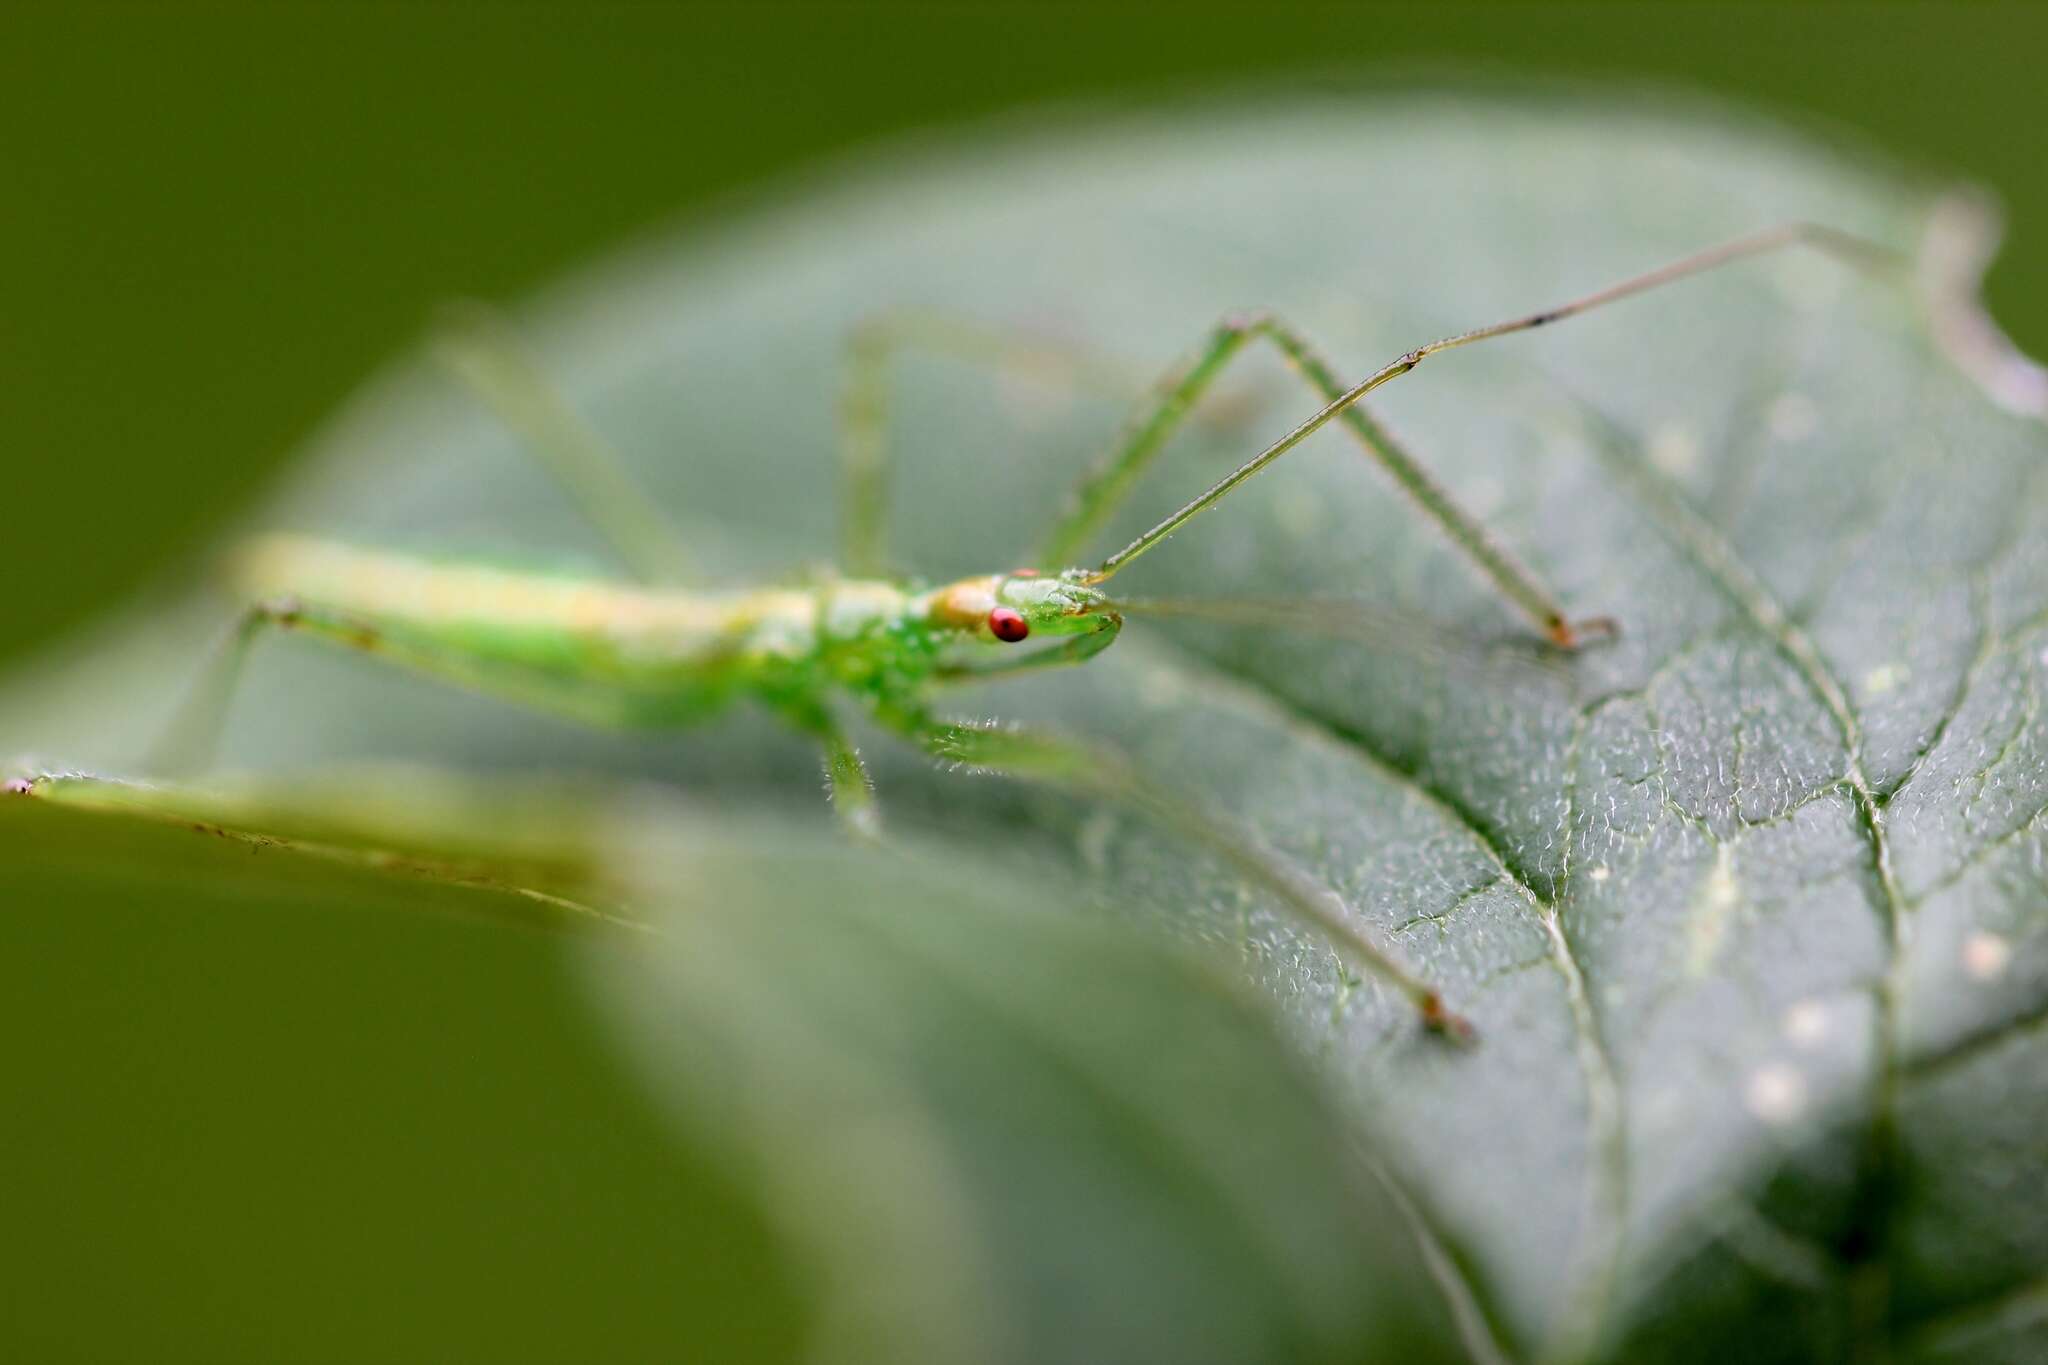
1008, 624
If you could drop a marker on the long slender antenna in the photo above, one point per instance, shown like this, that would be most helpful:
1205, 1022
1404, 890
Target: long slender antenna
1856, 250
1509, 656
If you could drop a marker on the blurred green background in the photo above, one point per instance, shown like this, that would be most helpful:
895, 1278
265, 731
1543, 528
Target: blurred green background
254, 1109
219, 218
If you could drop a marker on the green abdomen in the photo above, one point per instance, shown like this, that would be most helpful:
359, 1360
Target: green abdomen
606, 652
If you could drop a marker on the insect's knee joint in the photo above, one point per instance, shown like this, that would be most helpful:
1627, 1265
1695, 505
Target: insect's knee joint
1567, 634
279, 611
1438, 1019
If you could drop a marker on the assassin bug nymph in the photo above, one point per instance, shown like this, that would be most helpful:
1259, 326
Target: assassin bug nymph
623, 653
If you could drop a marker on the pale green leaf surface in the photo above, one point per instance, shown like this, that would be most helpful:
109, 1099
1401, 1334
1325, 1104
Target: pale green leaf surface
1004, 1134
1747, 907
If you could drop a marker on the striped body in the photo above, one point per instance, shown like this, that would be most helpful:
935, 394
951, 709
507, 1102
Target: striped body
610, 652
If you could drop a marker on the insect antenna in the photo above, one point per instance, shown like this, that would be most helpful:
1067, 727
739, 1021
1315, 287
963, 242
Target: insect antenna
1506, 656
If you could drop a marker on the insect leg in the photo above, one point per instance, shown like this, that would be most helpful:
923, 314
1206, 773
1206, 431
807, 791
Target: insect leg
480, 348
1110, 483
853, 787
870, 355
847, 778
1099, 772
188, 743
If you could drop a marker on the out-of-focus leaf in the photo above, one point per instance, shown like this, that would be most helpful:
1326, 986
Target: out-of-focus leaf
270, 1105
1005, 1134
984, 1130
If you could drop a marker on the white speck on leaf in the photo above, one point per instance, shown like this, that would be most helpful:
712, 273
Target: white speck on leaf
1776, 1093
1986, 955
1675, 450
1806, 1023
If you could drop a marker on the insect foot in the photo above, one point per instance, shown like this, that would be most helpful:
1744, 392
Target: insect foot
1439, 1020
1567, 634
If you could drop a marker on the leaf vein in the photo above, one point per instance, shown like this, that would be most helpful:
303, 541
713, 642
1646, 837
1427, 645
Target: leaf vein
1606, 1120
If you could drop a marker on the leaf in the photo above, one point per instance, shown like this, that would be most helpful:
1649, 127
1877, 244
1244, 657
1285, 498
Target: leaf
1005, 1134
986, 1131
271, 1106
1747, 906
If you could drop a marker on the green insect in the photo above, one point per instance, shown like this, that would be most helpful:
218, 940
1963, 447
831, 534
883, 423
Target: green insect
620, 653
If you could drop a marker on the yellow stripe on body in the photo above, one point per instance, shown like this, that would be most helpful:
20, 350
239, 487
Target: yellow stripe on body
382, 585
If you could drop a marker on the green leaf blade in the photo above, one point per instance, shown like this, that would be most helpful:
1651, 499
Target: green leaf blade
1722, 897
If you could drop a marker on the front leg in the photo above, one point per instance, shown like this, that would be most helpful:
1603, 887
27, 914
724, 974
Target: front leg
1098, 771
852, 787
847, 780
